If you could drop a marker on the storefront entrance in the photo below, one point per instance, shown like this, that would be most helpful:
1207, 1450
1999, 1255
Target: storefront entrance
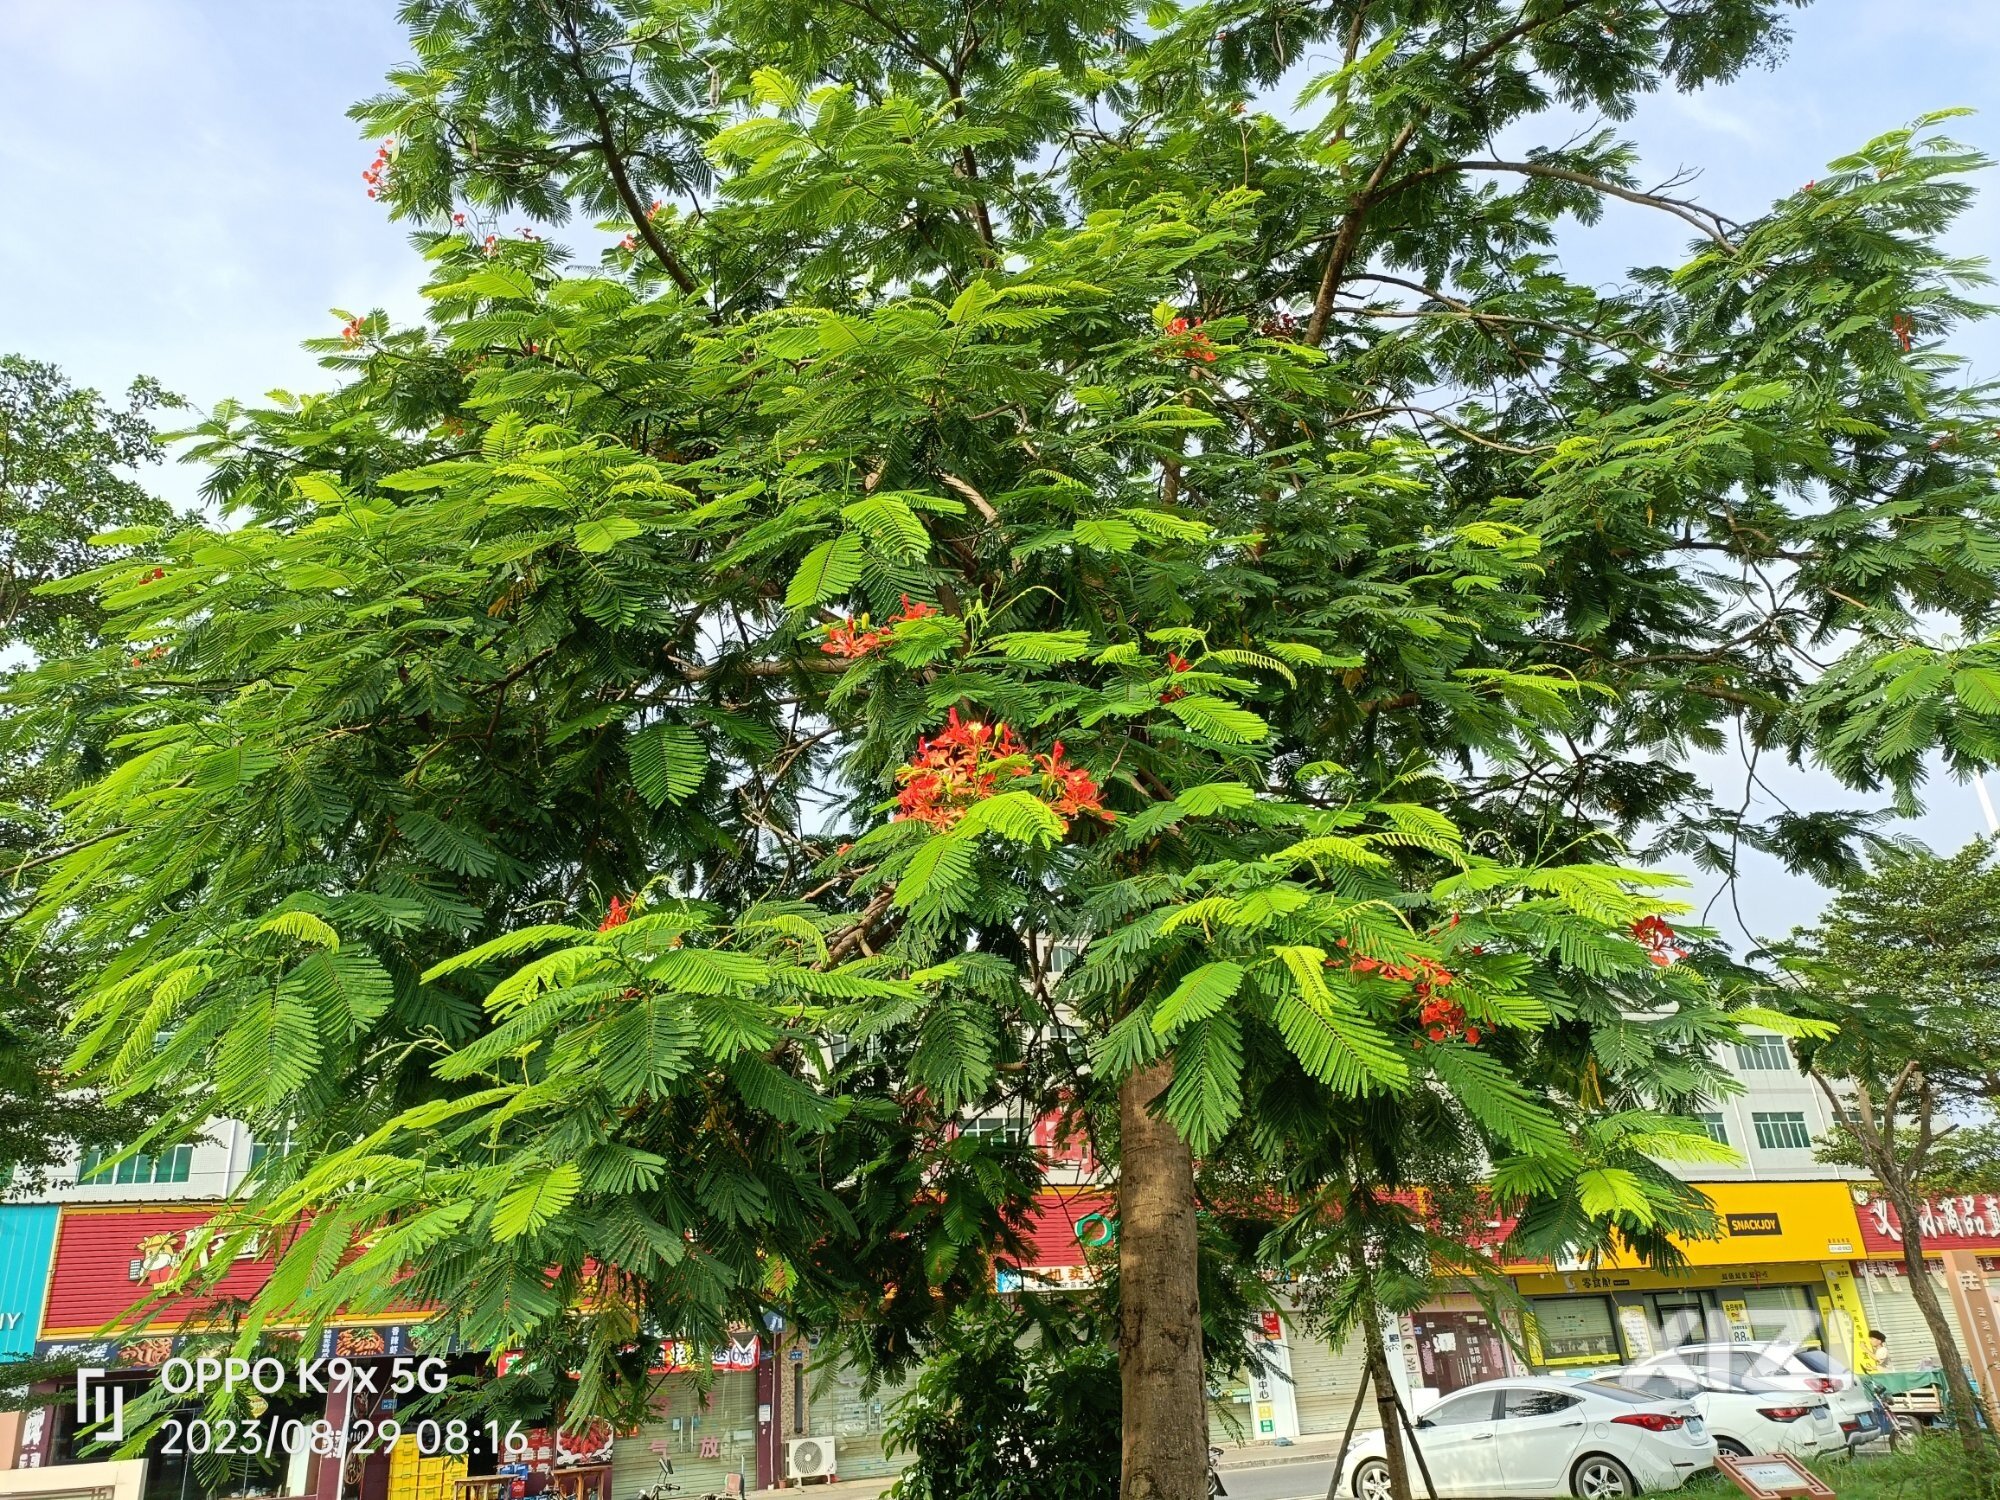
1457, 1349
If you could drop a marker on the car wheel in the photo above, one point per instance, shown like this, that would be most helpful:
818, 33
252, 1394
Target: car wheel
1731, 1447
1600, 1477
1371, 1480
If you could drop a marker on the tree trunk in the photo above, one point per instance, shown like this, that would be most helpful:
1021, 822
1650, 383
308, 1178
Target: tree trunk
1165, 1448
1387, 1410
1965, 1407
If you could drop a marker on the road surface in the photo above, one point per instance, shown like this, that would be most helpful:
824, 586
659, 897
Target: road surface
1304, 1481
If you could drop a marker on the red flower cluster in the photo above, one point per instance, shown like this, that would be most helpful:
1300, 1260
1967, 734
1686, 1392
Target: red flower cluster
458, 219
850, 641
492, 245
1075, 791
352, 332
1281, 326
155, 576
618, 915
1659, 940
964, 763
956, 769
1176, 663
629, 244
1443, 1019
1903, 328
1194, 342
154, 655
377, 175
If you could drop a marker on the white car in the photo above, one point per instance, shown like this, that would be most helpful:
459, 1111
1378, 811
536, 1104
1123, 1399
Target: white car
1544, 1437
1780, 1367
1744, 1421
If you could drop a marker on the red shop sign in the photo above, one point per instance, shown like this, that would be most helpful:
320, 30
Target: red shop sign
1965, 1221
108, 1259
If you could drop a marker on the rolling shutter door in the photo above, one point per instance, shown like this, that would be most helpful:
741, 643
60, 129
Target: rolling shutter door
1892, 1309
842, 1408
706, 1437
1324, 1382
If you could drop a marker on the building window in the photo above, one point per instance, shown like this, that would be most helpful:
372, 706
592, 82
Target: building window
1003, 1127
101, 1167
1717, 1128
1575, 1328
262, 1147
1782, 1130
1763, 1053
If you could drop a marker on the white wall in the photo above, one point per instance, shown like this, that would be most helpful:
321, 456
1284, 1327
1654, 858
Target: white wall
1769, 1090
217, 1165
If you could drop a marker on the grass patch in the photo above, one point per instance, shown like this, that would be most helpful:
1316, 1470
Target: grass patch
1936, 1468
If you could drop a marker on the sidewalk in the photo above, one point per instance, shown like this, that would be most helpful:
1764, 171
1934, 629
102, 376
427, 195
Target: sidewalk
1318, 1448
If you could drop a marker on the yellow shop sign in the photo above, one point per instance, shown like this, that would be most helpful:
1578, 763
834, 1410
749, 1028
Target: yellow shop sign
1760, 1223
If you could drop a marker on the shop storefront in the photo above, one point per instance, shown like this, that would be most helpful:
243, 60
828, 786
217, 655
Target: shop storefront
1778, 1271
1324, 1380
710, 1429
106, 1262
1455, 1342
1961, 1238
27, 1235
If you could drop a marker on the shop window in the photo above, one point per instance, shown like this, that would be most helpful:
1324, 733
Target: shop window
1716, 1126
1676, 1318
1575, 1328
1782, 1130
101, 1167
1781, 1314
1763, 1054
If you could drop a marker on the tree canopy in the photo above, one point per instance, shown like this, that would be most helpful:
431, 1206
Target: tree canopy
620, 780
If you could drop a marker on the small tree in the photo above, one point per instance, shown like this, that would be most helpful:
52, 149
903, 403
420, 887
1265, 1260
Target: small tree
66, 462
1906, 962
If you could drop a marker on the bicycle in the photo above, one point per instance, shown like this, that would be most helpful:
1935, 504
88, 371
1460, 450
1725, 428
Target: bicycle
662, 1489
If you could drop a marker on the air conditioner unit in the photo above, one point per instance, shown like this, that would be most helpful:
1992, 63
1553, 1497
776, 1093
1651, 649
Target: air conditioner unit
809, 1458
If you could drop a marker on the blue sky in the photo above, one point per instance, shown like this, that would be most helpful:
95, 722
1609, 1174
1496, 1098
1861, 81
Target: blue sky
184, 199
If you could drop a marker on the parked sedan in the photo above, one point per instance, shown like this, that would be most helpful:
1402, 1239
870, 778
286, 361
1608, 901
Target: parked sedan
1544, 1437
1780, 1367
1742, 1420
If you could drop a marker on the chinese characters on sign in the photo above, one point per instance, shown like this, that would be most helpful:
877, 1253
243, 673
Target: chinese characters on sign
1953, 1222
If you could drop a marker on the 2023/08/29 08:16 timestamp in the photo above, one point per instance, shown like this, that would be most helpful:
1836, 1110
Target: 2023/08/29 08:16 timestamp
273, 1435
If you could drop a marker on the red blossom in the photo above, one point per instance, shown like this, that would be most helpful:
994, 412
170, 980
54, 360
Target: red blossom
916, 611
1194, 344
617, 915
1659, 940
1902, 327
1075, 790
963, 763
849, 641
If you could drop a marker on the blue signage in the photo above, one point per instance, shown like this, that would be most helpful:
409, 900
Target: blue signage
27, 1235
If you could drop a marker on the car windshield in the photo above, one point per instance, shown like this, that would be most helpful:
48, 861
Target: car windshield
1815, 1360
